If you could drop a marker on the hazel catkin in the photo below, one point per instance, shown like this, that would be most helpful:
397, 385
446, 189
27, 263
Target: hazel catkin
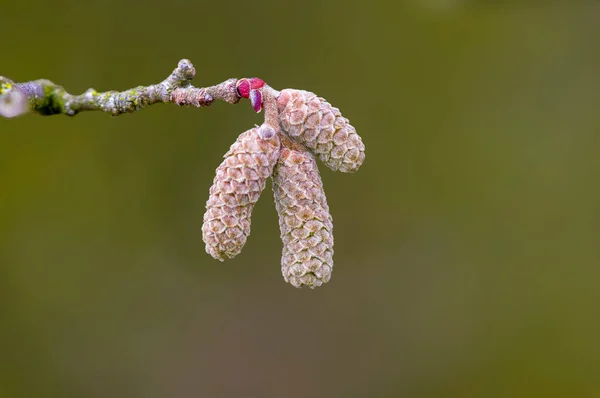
311, 121
304, 219
236, 188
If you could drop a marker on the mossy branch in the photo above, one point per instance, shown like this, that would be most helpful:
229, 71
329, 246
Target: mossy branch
47, 98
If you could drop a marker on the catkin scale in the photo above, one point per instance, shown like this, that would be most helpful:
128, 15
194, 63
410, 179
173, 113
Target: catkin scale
304, 219
237, 185
311, 121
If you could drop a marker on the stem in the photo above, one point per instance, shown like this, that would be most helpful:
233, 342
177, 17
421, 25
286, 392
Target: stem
47, 98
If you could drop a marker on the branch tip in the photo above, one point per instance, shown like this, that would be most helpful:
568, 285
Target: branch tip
186, 69
13, 101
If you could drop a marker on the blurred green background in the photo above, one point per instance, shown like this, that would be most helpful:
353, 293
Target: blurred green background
467, 255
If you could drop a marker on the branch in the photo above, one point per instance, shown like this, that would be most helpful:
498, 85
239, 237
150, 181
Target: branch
298, 126
47, 98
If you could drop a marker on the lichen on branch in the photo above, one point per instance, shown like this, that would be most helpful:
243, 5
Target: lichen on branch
47, 98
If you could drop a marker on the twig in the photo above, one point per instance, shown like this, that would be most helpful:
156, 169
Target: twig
47, 98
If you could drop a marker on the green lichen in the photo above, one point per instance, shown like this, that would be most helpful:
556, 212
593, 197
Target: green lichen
53, 100
5, 87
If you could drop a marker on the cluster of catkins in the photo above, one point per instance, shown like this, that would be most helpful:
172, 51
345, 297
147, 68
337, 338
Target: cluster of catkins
298, 126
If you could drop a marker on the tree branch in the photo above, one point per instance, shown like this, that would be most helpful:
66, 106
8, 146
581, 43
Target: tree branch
298, 126
47, 98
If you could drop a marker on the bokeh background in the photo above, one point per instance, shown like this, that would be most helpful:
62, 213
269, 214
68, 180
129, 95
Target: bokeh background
467, 254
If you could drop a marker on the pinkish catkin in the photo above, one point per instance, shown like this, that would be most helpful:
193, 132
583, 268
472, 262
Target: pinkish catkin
304, 220
314, 123
236, 188
298, 126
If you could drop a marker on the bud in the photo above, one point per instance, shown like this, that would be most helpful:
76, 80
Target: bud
250, 88
313, 122
304, 219
256, 100
236, 187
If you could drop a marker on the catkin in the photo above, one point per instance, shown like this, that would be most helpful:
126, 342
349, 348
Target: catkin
304, 219
236, 187
311, 121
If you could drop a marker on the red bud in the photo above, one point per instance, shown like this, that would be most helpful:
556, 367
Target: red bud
243, 88
255, 83
256, 100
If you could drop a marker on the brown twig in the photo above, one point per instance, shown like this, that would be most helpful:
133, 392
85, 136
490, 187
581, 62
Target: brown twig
47, 98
